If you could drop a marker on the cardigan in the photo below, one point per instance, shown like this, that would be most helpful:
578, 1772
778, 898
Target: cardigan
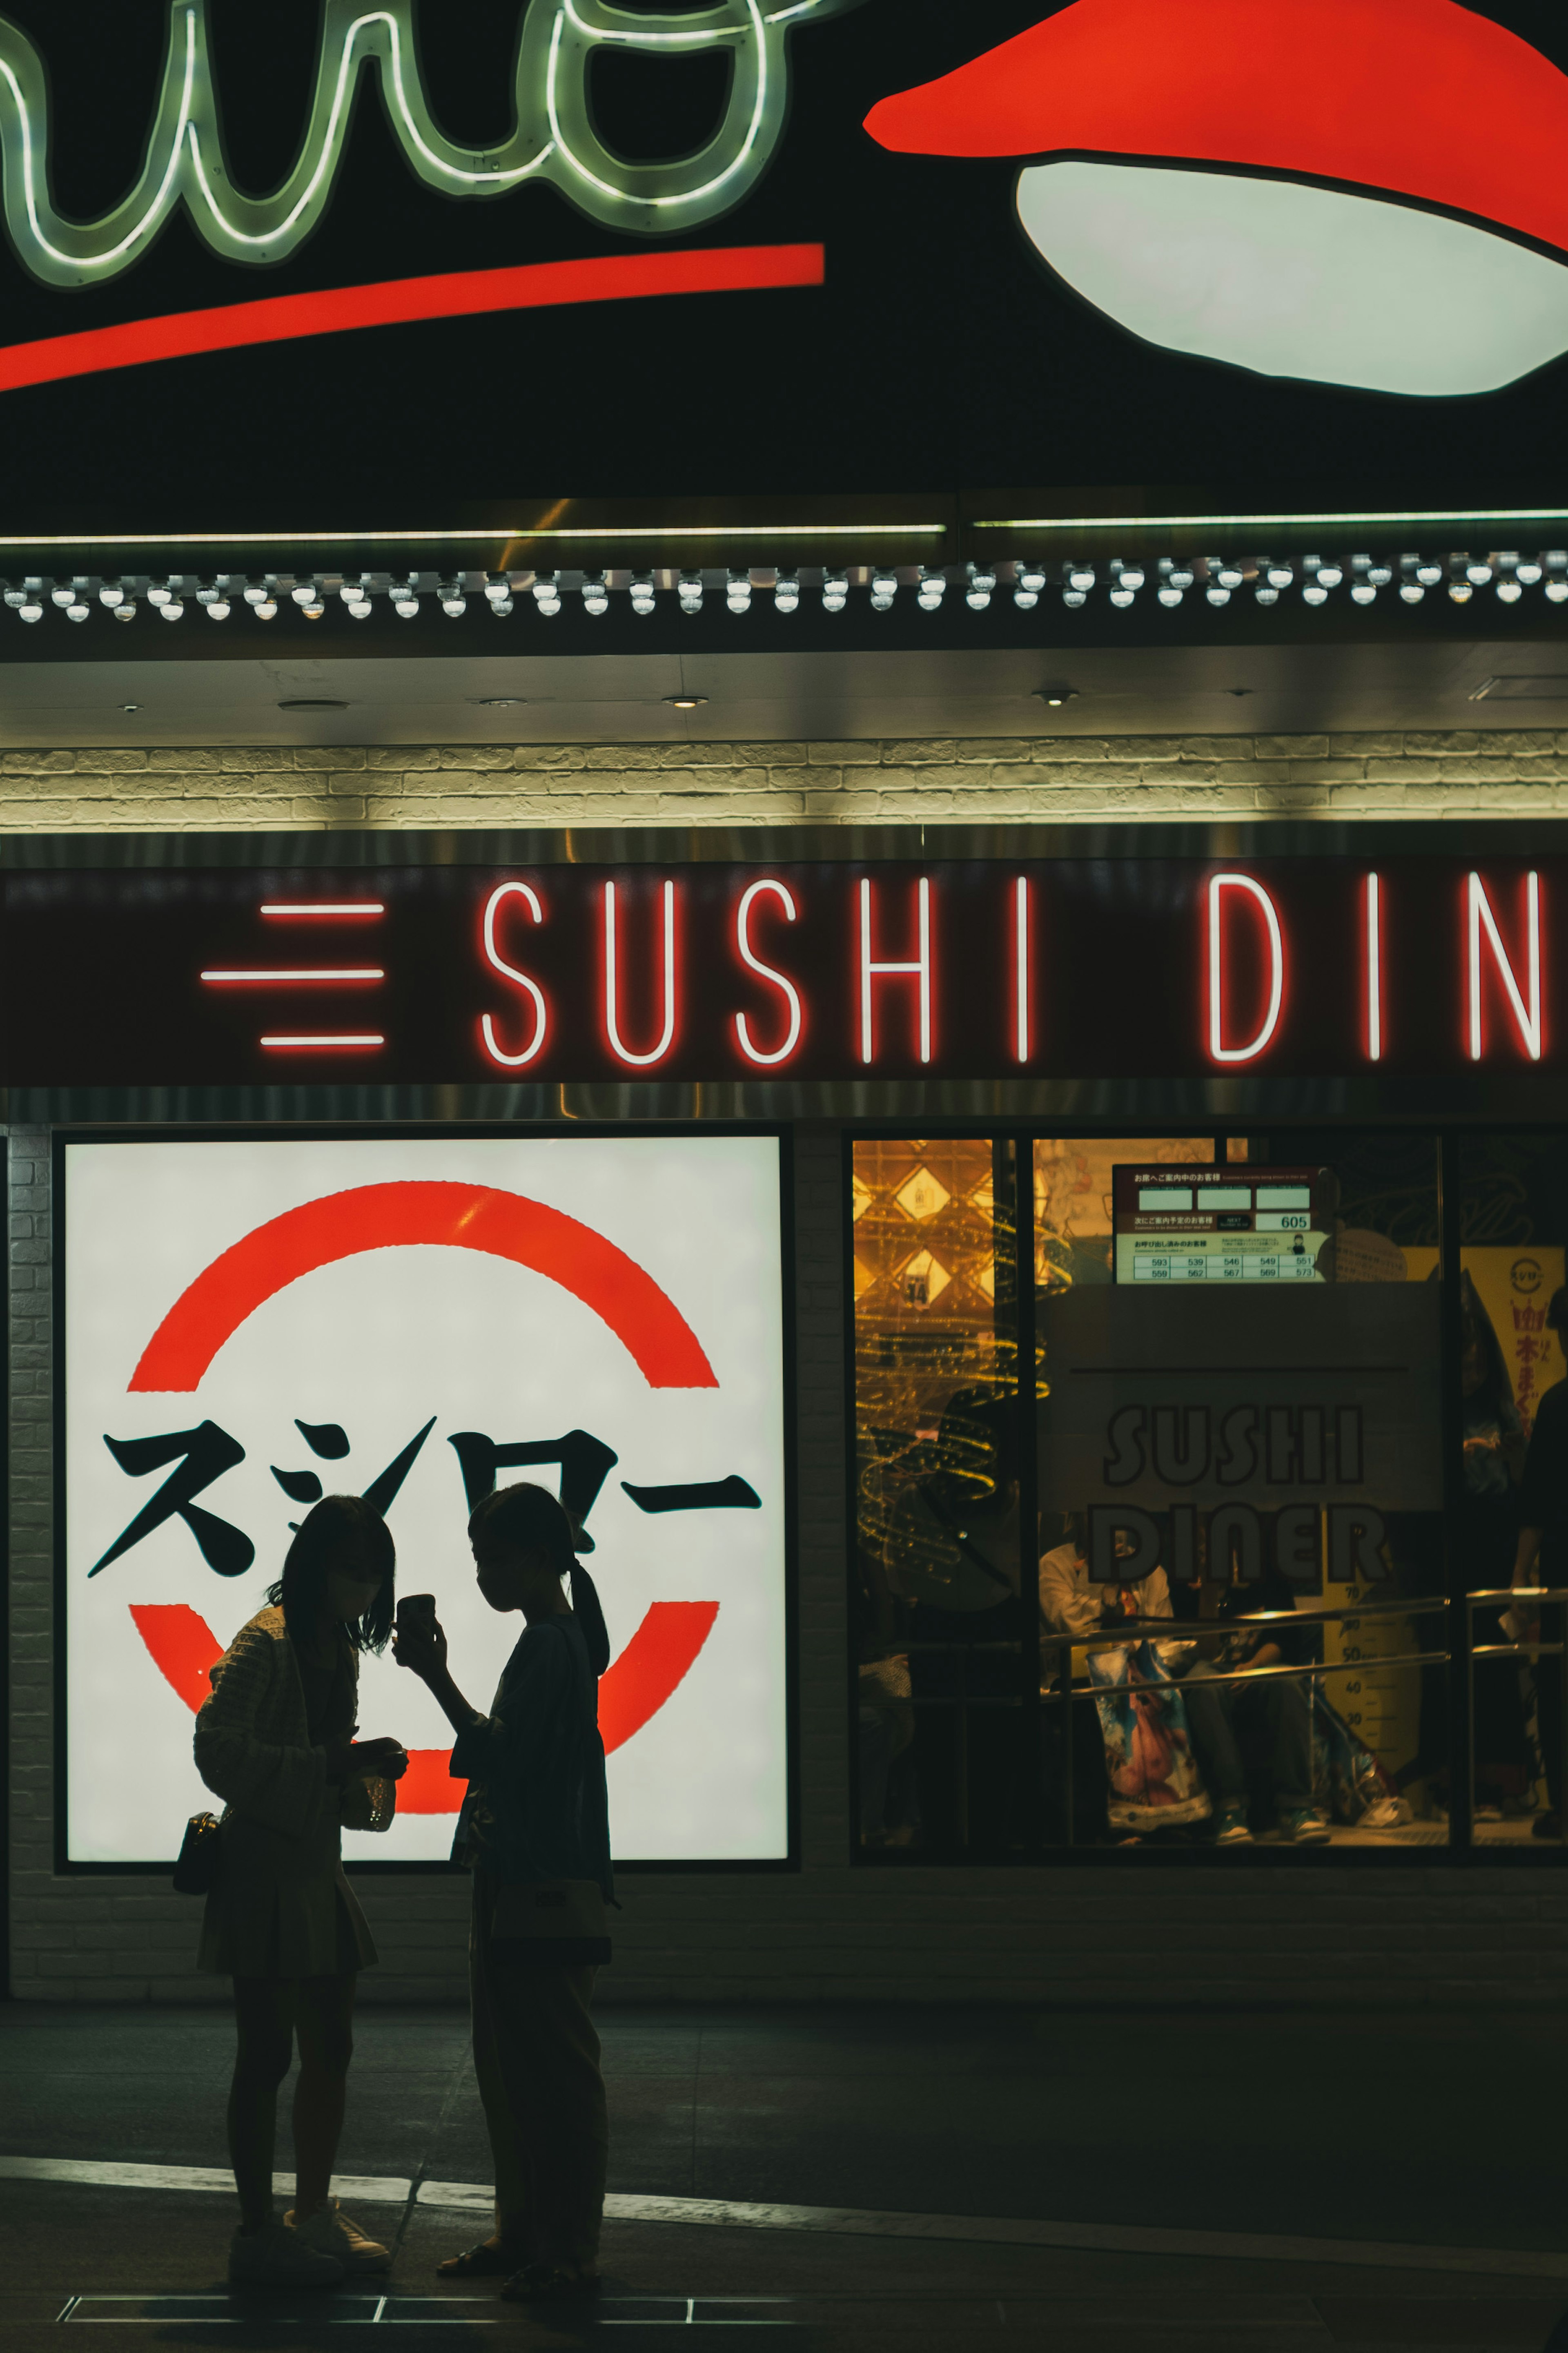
252, 1739
282, 1907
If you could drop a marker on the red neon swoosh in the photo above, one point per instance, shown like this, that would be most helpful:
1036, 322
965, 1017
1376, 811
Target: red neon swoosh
403, 1215
634, 1686
1422, 98
459, 294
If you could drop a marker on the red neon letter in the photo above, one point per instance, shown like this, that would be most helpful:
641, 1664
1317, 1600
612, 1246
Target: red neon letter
1372, 905
1218, 885
529, 988
1527, 1016
1022, 928
871, 971
612, 989
791, 993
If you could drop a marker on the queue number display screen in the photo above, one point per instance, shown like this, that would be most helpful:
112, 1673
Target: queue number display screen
1232, 1224
251, 1324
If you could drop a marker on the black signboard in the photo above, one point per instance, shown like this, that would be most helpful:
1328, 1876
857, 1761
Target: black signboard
1091, 967
315, 265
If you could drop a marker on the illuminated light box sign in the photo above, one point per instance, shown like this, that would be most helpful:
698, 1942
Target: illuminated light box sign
1277, 1429
1176, 275
1236, 1223
250, 1324
1074, 966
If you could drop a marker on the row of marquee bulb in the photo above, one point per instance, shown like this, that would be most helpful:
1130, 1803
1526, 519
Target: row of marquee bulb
1509, 574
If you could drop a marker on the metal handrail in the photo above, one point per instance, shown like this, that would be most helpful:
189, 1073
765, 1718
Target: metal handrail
1520, 1593
1049, 1694
1526, 1650
1191, 1629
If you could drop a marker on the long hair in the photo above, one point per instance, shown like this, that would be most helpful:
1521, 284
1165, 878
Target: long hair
337, 1523
528, 1515
1495, 1394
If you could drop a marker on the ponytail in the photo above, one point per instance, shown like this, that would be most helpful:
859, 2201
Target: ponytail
590, 1618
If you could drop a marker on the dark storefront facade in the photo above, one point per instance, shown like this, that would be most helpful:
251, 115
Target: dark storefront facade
976, 1072
1289, 1318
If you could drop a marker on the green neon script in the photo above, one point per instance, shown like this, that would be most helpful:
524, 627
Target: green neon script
554, 138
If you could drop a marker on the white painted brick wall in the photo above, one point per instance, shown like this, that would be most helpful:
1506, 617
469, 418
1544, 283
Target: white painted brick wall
1067, 779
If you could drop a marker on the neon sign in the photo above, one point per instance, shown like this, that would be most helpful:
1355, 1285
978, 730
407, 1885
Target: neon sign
552, 141
1246, 887
557, 975
1226, 178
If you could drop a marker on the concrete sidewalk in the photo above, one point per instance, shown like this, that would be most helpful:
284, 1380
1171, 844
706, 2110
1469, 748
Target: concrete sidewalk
1154, 2174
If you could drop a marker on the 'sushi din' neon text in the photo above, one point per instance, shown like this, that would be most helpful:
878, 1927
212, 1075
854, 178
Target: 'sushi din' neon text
552, 140
838, 971
1502, 957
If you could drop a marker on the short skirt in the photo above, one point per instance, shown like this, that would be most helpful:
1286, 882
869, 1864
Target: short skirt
282, 1906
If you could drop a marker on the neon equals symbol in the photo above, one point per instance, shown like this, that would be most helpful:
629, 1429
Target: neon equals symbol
314, 1042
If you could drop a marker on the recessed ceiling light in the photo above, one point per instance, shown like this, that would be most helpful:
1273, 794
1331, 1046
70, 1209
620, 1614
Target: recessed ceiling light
685, 701
1056, 695
313, 702
496, 702
131, 706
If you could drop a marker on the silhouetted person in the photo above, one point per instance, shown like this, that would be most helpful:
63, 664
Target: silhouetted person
1486, 1531
535, 1830
1541, 1558
276, 1742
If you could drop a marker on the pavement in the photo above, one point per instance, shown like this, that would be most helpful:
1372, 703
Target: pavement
847, 2176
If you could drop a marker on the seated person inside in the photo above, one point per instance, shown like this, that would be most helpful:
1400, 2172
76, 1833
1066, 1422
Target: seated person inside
1268, 1721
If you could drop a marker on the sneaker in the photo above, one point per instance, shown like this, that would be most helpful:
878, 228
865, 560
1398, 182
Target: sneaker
1301, 1826
330, 2232
1231, 1828
279, 2257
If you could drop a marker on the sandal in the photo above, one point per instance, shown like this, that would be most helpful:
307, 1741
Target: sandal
545, 2283
483, 2262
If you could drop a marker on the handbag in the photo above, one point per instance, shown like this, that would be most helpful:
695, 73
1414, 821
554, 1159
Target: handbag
201, 1853
368, 1802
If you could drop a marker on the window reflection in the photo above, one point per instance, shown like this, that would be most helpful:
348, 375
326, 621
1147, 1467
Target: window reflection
1239, 1562
941, 1766
1252, 1458
1512, 1520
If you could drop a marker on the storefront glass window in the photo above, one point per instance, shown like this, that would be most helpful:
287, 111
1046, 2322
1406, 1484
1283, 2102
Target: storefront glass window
1511, 1519
940, 1714
1241, 1433
1237, 1459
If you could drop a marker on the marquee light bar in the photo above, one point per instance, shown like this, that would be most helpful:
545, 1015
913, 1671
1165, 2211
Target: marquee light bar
492, 535
1215, 581
1429, 516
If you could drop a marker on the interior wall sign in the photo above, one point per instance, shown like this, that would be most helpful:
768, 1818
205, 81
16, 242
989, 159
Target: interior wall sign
554, 138
1278, 1427
1300, 187
1069, 967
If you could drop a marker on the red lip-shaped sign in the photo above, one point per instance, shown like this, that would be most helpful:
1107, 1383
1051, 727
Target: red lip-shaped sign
1416, 98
